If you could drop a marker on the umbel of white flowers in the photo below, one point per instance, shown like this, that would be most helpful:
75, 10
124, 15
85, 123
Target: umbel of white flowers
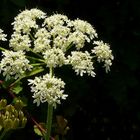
58, 41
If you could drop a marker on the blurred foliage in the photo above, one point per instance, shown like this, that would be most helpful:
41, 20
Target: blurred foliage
11, 117
108, 106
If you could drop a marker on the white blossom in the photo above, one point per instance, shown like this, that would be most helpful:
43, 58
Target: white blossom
27, 20
14, 64
54, 57
2, 35
60, 30
54, 20
56, 41
20, 42
77, 38
47, 89
36, 13
81, 63
42, 40
84, 27
61, 43
103, 53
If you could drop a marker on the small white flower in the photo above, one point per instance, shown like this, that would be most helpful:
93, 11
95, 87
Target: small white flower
42, 40
36, 13
54, 20
14, 64
47, 89
2, 35
54, 57
20, 42
61, 43
60, 30
84, 27
103, 53
81, 63
27, 20
78, 39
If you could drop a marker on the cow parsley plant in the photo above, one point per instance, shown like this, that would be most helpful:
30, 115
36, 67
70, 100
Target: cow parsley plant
41, 43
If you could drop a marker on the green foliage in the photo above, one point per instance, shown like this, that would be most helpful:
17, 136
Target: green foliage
17, 88
38, 131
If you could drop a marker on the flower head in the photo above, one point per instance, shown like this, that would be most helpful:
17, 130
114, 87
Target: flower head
84, 27
103, 53
47, 89
53, 41
27, 20
78, 39
20, 42
54, 57
42, 41
81, 63
14, 64
54, 20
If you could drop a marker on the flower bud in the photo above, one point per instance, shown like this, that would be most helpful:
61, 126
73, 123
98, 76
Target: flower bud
15, 123
10, 108
3, 103
8, 124
24, 121
18, 104
21, 115
15, 113
7, 114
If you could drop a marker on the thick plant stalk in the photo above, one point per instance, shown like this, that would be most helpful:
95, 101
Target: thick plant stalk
49, 121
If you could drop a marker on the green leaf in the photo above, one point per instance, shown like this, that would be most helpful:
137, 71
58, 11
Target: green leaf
37, 131
34, 71
17, 89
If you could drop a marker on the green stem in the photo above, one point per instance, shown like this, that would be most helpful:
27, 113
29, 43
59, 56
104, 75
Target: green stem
2, 49
3, 134
40, 56
38, 64
27, 75
31, 36
69, 46
49, 115
36, 59
49, 121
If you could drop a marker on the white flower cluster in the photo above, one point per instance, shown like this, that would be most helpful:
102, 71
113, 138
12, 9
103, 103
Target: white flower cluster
56, 41
20, 42
14, 64
103, 53
42, 41
78, 39
26, 20
54, 20
82, 63
84, 27
54, 57
2, 35
47, 89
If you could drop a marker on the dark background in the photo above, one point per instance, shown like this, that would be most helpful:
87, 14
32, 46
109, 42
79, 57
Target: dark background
106, 107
